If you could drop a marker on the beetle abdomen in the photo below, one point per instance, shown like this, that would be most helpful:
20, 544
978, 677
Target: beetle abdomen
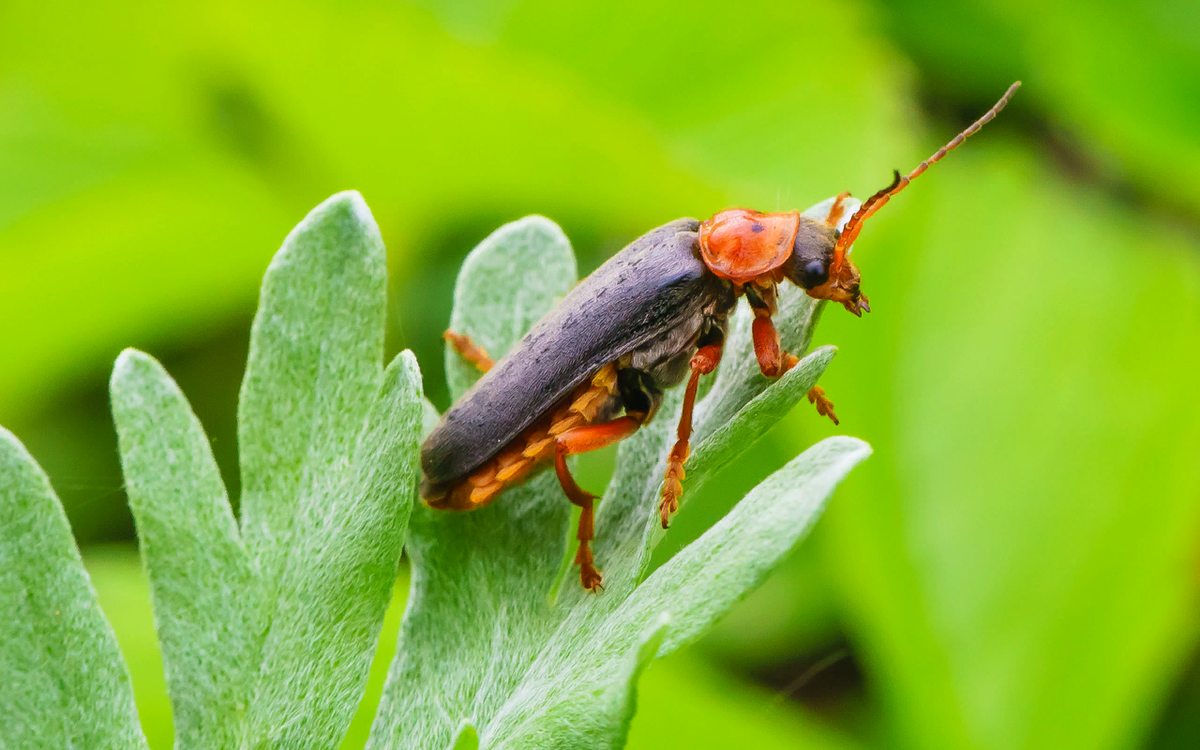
531, 451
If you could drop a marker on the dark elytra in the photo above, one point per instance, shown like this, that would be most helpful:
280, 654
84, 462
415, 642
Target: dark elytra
639, 295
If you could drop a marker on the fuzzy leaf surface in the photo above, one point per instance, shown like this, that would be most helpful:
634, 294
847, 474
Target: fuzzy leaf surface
199, 571
66, 684
268, 629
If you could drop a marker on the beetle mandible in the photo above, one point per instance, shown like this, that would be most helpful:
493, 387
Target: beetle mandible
653, 313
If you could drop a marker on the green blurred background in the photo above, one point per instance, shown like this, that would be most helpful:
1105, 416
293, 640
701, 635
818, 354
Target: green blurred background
1018, 565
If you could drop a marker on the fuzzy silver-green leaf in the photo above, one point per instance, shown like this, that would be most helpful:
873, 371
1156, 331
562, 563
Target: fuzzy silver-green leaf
65, 683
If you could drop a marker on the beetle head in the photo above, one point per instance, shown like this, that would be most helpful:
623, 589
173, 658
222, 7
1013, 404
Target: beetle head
814, 265
822, 266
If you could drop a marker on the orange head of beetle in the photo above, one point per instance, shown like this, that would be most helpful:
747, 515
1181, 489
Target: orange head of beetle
744, 246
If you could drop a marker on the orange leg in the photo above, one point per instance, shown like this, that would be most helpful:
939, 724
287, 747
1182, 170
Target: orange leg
774, 362
472, 352
704, 362
771, 360
816, 395
582, 440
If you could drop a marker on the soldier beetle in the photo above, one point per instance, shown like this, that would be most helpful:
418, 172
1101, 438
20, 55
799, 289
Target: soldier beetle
594, 368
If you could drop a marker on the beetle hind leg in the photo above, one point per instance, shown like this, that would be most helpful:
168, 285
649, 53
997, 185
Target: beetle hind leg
582, 440
470, 351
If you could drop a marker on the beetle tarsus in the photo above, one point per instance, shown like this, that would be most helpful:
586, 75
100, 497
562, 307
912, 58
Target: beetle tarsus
816, 396
470, 351
672, 490
591, 579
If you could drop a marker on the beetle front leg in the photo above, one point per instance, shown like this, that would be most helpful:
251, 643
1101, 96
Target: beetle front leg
774, 362
582, 440
816, 395
703, 362
470, 351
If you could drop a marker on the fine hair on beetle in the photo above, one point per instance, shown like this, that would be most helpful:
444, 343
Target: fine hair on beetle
595, 368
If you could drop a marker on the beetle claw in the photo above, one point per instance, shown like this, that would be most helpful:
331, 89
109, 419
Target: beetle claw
590, 578
816, 396
669, 504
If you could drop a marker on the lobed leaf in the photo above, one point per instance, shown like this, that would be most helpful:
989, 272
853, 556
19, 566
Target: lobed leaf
200, 574
729, 440
315, 364
268, 631
336, 586
66, 684
326, 440
699, 584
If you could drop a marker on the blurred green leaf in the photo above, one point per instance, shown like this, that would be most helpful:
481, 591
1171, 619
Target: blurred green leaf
485, 641
221, 126
1120, 111
1019, 567
66, 684
684, 702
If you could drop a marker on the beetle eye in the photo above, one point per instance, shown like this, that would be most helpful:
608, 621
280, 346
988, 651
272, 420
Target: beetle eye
814, 274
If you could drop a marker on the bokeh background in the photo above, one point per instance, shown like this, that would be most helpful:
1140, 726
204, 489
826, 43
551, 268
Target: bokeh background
1018, 566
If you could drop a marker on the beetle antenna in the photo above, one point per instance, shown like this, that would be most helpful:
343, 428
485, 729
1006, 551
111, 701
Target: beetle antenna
877, 201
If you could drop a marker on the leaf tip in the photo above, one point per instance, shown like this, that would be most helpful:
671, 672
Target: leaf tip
406, 373
131, 363
852, 449
350, 203
538, 224
346, 211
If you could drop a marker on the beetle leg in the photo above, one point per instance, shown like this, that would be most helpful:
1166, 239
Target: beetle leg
582, 440
771, 359
470, 351
704, 362
816, 395
774, 362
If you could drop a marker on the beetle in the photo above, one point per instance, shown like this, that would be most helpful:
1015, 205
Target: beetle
594, 368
